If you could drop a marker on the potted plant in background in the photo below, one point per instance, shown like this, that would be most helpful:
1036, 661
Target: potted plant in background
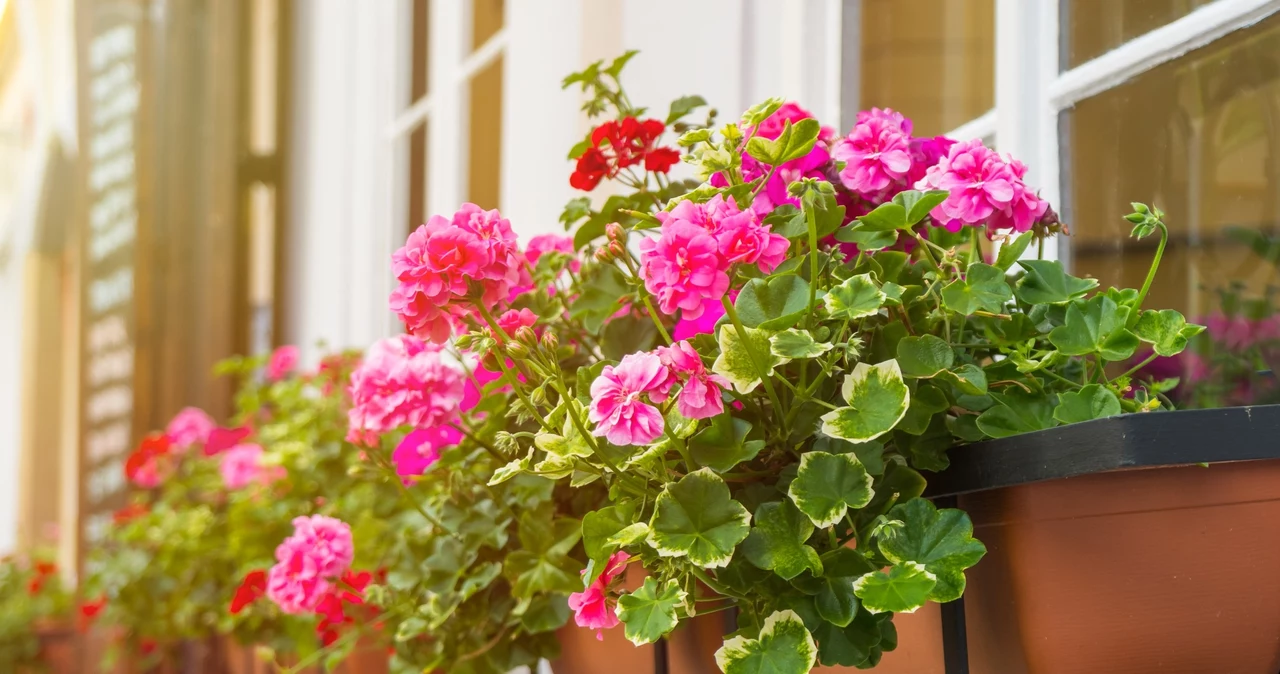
36, 633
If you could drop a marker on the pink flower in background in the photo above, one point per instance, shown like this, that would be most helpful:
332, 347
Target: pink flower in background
295, 583
877, 153
442, 258
700, 396
513, 320
704, 324
328, 542
547, 243
402, 382
593, 608
742, 239
222, 439
242, 466
984, 190
476, 381
925, 153
682, 268
790, 111
616, 406
283, 361
420, 449
189, 426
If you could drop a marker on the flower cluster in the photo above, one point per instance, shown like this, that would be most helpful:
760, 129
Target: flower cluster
151, 462
448, 261
983, 189
618, 407
687, 265
282, 362
402, 382
420, 449
242, 466
190, 426
319, 552
614, 146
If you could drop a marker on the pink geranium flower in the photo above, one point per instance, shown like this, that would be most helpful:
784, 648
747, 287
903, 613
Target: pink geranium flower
189, 426
617, 408
283, 361
420, 449
402, 382
547, 243
593, 608
242, 466
700, 396
984, 188
683, 268
513, 320
222, 439
295, 583
742, 239
876, 154
328, 541
443, 258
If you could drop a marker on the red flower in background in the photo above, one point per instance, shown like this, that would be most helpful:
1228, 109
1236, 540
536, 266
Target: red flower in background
43, 572
617, 145
90, 610
147, 466
333, 608
129, 513
253, 587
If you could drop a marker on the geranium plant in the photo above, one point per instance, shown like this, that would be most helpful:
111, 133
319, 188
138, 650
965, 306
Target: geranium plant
32, 598
754, 366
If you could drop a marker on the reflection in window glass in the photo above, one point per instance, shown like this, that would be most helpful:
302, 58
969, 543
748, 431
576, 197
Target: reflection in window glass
1199, 137
487, 17
418, 177
485, 147
1094, 27
931, 60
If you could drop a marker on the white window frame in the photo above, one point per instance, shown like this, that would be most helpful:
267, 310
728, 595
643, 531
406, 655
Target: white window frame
1031, 92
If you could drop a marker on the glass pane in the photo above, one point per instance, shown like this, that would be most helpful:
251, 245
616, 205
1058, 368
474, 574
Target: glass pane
420, 72
931, 60
262, 268
264, 32
487, 18
1094, 27
1199, 137
417, 177
486, 136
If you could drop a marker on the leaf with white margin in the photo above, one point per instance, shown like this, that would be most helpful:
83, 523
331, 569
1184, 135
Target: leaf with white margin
510, 470
795, 343
856, 297
736, 364
826, 485
695, 517
564, 449
878, 399
649, 613
777, 541
903, 589
783, 647
941, 540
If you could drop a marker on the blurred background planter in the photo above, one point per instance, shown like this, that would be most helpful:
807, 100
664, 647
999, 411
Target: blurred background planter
1110, 550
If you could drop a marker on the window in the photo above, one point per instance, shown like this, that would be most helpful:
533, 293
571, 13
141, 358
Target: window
447, 138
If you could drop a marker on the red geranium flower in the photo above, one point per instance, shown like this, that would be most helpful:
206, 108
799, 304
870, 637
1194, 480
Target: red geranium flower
90, 610
253, 587
43, 571
145, 466
129, 513
617, 145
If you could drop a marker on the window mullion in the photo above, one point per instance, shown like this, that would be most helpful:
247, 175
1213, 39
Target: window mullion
446, 146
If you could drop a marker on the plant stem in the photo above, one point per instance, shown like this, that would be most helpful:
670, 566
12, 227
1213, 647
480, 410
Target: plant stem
713, 584
1139, 366
812, 221
1151, 273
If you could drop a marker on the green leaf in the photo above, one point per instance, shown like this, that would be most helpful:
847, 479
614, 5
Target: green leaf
828, 215
835, 601
878, 399
777, 541
859, 644
735, 362
867, 240
1166, 330
600, 525
1046, 282
1096, 326
509, 471
784, 647
1017, 412
941, 540
683, 106
696, 518
927, 401
918, 204
969, 378
924, 356
855, 297
983, 287
649, 613
905, 588
795, 141
826, 485
546, 613
887, 217
761, 111
723, 445
1013, 249
1091, 402
772, 303
794, 344
563, 449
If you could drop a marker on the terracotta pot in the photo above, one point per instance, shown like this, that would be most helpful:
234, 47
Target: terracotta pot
1166, 570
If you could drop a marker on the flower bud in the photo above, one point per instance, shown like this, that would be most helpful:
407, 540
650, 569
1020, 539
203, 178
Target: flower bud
614, 231
550, 342
616, 249
464, 341
517, 350
538, 397
505, 441
603, 255
525, 335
